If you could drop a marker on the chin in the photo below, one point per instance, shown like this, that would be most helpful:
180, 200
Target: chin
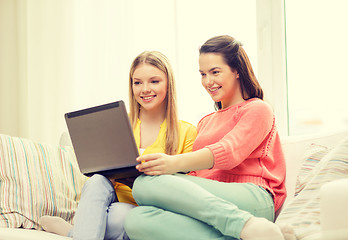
215, 99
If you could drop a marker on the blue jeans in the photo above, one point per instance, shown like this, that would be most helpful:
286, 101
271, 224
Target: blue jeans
185, 207
98, 216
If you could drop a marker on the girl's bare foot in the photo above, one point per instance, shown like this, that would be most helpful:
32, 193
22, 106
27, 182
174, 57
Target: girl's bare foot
55, 225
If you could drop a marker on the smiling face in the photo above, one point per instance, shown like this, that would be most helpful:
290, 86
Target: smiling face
150, 87
220, 81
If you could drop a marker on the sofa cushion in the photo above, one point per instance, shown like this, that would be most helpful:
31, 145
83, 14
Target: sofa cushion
303, 211
312, 157
36, 180
294, 148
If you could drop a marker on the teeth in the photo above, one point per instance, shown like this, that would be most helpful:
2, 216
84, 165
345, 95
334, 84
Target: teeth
147, 98
213, 89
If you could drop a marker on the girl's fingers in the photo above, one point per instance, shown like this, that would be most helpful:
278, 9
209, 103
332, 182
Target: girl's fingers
149, 157
146, 165
150, 168
155, 170
155, 164
154, 173
143, 165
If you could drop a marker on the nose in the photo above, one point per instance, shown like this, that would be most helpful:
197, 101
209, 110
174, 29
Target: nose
145, 88
208, 81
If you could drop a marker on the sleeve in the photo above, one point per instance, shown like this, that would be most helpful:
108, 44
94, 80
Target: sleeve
254, 124
189, 134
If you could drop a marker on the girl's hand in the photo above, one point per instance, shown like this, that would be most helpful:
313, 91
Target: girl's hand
157, 164
160, 163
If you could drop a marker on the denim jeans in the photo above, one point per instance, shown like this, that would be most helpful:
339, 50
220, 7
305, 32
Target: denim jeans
99, 216
185, 207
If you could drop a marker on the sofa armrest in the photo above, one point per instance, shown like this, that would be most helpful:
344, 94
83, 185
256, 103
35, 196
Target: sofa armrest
334, 209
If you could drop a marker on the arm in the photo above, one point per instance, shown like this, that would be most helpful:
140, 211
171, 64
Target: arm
252, 128
245, 139
159, 163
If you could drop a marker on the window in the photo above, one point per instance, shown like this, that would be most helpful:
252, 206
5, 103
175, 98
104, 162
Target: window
197, 21
317, 52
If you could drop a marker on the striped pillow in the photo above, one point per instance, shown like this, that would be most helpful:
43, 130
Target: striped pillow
303, 211
312, 158
36, 180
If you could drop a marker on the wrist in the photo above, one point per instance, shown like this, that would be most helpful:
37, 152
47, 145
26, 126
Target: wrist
178, 163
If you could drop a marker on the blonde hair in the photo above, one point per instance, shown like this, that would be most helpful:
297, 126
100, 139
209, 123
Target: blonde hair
161, 62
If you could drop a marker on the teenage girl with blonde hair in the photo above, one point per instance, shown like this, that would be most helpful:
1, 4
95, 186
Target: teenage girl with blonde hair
105, 203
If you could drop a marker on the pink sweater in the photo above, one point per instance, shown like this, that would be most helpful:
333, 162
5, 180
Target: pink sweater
246, 147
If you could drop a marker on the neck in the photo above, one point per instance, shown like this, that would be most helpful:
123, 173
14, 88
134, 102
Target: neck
237, 99
154, 116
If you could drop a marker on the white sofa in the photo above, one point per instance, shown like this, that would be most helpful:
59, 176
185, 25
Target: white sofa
36, 179
294, 149
317, 173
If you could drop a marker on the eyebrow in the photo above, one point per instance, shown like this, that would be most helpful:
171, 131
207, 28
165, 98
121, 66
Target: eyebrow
212, 69
151, 78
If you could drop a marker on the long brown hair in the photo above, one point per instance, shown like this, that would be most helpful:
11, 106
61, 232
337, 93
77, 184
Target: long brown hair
237, 59
161, 62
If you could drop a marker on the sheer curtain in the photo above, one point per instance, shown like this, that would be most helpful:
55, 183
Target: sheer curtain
34, 84
9, 70
58, 56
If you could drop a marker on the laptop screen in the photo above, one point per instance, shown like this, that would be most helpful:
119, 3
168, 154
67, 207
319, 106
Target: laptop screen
102, 138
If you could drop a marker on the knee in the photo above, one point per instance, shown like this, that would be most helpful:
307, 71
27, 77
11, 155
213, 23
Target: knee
118, 212
116, 219
98, 183
141, 187
96, 179
146, 187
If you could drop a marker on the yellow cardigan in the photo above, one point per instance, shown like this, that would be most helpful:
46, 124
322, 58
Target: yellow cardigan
187, 135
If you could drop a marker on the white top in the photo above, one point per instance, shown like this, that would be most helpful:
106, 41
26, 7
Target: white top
141, 151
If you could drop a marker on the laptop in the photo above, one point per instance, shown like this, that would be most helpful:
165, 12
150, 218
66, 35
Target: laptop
103, 140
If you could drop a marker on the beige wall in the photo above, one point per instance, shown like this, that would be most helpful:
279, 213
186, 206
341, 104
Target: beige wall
9, 96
